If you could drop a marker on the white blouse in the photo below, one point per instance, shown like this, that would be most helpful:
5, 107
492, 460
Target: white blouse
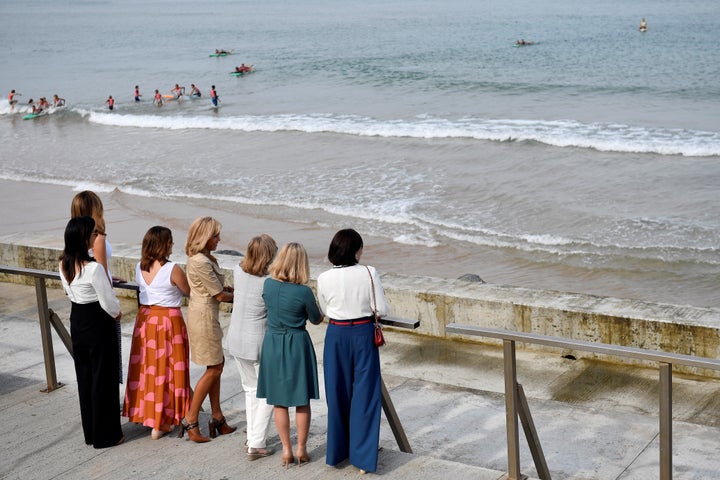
91, 285
345, 293
160, 291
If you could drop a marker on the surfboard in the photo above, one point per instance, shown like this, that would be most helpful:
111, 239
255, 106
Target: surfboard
30, 116
240, 74
224, 54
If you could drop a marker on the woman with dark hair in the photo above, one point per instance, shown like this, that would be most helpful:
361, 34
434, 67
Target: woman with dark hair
350, 359
94, 314
158, 383
288, 365
88, 203
248, 323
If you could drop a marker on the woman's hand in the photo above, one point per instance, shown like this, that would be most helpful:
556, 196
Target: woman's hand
224, 296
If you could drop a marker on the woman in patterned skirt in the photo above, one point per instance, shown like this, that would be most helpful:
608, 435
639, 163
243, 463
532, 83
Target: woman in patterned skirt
158, 383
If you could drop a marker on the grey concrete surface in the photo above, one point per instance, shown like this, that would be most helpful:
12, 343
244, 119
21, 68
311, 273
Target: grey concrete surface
595, 420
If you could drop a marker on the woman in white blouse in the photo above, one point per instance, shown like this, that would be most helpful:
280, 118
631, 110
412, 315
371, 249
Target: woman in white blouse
158, 383
94, 315
351, 360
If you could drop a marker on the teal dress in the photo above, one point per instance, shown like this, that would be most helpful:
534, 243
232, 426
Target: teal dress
288, 366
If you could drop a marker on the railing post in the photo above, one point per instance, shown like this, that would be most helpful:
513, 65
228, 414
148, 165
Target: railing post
46, 334
665, 421
531, 436
394, 420
511, 410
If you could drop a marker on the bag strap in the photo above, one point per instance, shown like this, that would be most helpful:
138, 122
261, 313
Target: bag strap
374, 300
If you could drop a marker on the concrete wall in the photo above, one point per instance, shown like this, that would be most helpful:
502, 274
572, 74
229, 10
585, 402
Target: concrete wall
436, 302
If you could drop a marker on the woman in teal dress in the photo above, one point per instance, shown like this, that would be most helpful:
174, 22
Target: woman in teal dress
288, 366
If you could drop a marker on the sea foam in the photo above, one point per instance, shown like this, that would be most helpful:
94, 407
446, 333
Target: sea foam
607, 137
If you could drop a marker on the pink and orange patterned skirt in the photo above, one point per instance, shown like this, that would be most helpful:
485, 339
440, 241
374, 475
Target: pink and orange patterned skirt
157, 392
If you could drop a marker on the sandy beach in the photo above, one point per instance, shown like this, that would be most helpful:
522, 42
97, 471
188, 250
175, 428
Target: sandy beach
36, 213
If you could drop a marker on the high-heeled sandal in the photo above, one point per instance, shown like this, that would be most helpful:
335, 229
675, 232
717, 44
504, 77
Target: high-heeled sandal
255, 453
193, 435
219, 427
303, 459
287, 460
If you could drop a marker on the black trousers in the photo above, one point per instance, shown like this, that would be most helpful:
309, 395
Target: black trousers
95, 352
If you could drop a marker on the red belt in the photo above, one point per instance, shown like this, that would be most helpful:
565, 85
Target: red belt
350, 323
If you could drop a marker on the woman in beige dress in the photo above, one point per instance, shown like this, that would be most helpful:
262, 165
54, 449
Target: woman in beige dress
207, 290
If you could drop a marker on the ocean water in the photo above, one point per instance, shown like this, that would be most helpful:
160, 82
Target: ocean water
587, 162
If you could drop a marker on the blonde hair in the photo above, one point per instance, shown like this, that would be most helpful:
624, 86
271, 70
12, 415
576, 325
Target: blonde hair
291, 264
201, 231
87, 203
260, 252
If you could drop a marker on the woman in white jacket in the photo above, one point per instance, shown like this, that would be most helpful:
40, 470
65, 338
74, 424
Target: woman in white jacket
248, 323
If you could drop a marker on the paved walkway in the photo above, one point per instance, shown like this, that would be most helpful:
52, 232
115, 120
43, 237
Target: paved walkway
595, 421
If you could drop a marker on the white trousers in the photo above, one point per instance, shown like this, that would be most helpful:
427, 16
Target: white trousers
257, 412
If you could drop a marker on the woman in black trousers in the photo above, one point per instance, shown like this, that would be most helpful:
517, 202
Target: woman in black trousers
93, 316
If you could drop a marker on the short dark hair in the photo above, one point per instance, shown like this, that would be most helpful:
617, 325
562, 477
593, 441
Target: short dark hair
344, 246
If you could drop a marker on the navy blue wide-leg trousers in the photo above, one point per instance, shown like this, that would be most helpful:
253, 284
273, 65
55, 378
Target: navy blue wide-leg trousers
351, 363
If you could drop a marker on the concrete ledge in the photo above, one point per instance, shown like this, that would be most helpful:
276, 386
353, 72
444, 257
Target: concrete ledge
436, 302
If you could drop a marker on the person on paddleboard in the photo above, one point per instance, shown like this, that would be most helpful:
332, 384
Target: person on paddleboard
158, 98
214, 96
195, 91
34, 107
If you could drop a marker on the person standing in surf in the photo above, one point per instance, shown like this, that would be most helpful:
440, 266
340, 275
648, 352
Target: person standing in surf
110, 102
158, 98
11, 98
137, 93
214, 96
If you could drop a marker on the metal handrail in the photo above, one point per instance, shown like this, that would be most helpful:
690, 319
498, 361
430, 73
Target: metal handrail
514, 397
48, 318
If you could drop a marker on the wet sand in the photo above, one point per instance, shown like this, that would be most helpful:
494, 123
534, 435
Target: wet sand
36, 214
